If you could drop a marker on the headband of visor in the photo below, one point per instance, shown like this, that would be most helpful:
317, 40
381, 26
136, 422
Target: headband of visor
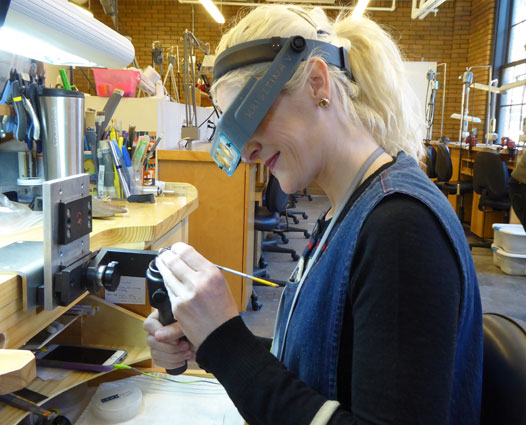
239, 122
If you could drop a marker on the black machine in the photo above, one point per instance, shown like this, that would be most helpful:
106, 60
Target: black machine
63, 268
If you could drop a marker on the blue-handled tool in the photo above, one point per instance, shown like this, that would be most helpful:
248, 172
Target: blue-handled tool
21, 119
35, 102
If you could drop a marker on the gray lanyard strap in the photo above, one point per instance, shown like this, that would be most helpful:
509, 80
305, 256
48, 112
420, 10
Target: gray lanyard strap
355, 183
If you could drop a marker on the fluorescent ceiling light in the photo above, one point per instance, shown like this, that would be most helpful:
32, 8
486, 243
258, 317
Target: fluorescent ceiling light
40, 50
301, 1
56, 32
213, 10
359, 9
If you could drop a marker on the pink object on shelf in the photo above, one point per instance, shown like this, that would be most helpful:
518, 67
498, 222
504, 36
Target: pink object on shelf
106, 80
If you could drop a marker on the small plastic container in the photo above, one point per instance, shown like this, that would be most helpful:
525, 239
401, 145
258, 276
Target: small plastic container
510, 237
514, 264
116, 402
106, 80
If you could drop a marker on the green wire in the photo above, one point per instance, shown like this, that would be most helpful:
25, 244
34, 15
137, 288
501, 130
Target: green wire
126, 367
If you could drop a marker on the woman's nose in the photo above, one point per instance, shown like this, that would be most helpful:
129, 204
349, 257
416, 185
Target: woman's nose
251, 152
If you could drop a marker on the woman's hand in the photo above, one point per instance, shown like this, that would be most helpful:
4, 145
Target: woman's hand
167, 348
199, 294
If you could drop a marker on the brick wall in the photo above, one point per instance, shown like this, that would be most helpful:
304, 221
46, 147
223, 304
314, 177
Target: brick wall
480, 54
460, 35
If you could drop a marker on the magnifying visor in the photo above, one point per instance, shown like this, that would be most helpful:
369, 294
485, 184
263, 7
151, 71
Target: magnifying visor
239, 122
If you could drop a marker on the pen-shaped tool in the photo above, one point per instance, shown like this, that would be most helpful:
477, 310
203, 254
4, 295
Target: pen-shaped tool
254, 278
118, 166
247, 276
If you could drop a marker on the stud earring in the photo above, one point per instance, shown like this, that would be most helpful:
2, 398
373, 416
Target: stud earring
324, 103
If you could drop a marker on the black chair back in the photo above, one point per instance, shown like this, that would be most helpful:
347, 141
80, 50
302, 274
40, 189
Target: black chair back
275, 199
518, 199
504, 373
430, 162
443, 165
490, 176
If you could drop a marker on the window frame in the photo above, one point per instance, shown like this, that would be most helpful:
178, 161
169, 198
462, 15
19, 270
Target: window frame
501, 48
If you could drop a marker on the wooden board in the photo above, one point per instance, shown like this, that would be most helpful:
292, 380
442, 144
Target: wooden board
17, 370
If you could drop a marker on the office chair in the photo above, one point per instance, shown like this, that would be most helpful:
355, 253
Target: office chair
444, 171
518, 199
293, 200
504, 371
267, 218
301, 194
431, 162
293, 214
517, 185
490, 181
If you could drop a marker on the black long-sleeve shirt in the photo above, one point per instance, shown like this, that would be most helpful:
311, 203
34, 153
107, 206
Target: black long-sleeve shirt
398, 336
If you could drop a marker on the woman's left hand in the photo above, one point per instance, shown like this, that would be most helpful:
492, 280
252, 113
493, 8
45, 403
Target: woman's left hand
200, 297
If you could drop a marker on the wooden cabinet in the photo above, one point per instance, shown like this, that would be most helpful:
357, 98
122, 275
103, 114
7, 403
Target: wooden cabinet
222, 228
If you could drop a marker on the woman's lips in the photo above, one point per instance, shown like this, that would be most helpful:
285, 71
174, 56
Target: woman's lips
271, 162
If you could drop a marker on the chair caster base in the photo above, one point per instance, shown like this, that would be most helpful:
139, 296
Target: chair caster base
254, 305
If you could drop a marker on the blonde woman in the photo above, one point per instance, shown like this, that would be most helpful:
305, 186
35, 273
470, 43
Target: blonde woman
381, 320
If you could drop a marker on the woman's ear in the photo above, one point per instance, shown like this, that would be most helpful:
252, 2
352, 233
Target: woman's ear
319, 82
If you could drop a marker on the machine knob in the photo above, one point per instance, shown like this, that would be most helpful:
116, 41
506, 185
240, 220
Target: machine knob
111, 276
158, 297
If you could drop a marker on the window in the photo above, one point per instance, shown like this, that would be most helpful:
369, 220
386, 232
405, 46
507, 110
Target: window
510, 66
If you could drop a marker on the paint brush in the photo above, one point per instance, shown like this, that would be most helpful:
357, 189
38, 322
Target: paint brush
247, 276
254, 278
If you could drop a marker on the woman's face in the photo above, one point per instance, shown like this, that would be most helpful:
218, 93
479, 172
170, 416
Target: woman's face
286, 140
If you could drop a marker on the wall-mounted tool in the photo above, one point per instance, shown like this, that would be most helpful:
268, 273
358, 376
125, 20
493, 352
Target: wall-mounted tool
173, 62
432, 88
191, 44
158, 56
467, 79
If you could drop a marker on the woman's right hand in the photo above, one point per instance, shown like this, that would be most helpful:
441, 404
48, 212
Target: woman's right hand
168, 349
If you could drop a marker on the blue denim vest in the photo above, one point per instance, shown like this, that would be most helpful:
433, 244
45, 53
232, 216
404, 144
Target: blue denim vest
313, 337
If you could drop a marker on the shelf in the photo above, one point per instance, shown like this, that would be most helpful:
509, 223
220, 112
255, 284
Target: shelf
125, 332
45, 336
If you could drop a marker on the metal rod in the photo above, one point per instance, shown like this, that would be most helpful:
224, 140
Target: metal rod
488, 103
443, 100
